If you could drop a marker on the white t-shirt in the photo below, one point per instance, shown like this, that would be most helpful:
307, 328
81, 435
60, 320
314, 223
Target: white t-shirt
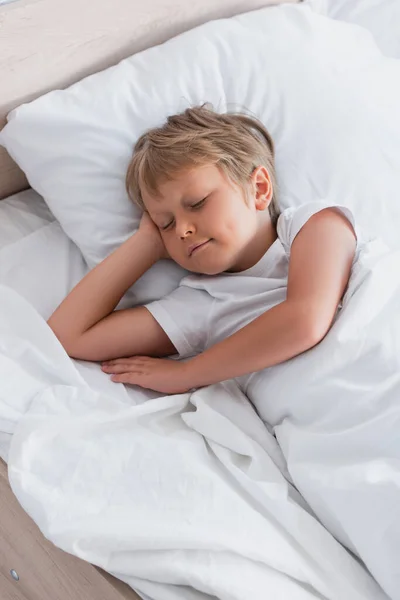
206, 309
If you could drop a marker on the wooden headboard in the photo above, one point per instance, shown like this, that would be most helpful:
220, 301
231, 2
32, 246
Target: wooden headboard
50, 44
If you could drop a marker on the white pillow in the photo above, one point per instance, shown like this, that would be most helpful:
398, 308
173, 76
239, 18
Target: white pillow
322, 87
380, 17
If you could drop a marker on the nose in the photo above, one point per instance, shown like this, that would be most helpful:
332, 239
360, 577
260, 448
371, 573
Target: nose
185, 229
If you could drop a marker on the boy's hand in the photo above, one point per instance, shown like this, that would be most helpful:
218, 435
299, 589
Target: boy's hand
150, 230
159, 374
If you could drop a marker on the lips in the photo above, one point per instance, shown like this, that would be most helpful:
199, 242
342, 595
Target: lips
197, 246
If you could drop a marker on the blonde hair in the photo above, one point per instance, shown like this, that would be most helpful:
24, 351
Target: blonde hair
236, 143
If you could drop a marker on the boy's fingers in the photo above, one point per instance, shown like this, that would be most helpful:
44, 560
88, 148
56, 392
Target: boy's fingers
119, 379
116, 369
124, 378
123, 369
116, 361
124, 361
131, 378
120, 365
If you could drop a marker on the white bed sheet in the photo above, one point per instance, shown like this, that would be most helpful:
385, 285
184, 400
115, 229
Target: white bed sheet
192, 454
42, 264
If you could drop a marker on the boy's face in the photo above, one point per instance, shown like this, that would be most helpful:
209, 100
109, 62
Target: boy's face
206, 223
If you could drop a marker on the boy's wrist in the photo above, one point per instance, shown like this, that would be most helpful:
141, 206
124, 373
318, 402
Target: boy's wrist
153, 248
191, 374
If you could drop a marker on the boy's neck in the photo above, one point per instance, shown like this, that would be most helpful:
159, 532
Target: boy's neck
264, 238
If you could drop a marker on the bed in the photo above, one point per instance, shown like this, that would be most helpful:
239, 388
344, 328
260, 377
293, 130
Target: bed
66, 430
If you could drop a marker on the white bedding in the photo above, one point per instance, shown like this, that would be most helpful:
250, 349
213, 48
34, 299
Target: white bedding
380, 17
189, 496
41, 263
181, 497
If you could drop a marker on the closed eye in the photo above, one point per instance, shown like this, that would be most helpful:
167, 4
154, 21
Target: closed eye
199, 204
193, 207
167, 226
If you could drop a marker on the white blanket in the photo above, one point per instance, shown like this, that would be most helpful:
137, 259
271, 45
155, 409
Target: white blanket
181, 497
336, 414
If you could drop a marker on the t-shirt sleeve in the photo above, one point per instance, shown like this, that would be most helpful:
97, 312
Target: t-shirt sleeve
184, 316
292, 220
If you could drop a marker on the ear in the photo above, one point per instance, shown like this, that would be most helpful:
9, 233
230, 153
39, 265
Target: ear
262, 186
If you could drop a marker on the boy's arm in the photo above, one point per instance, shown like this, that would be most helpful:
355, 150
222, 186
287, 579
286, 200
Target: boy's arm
319, 270
85, 322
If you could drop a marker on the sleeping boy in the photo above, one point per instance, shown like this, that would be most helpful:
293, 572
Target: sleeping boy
264, 286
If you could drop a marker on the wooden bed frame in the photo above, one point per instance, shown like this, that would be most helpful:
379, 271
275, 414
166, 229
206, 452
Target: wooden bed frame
46, 45
32, 568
